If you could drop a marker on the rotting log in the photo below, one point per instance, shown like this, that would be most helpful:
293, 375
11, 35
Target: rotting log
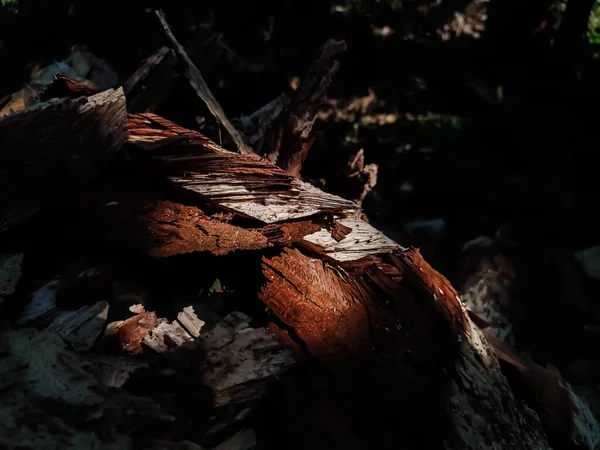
390, 330
402, 363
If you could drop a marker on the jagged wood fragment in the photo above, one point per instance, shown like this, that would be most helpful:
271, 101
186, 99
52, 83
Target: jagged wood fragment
202, 89
397, 339
166, 335
363, 240
190, 321
50, 149
244, 184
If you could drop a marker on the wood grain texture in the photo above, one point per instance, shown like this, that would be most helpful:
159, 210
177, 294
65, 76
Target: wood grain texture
244, 184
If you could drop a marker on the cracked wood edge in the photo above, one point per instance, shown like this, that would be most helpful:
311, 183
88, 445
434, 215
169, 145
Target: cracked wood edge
399, 325
244, 184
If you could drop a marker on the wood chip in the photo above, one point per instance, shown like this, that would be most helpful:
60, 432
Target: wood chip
364, 240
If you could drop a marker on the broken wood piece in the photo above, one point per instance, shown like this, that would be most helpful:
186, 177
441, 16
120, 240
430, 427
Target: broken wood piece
397, 325
149, 86
166, 335
244, 184
190, 321
40, 163
289, 139
362, 240
197, 81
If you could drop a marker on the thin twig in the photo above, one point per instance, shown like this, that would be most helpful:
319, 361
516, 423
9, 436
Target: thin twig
202, 89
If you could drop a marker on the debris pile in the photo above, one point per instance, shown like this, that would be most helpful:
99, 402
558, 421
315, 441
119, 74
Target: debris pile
207, 297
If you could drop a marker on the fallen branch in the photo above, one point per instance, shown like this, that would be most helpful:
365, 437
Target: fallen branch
197, 81
150, 85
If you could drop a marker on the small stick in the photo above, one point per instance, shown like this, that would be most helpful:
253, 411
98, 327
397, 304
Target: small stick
201, 88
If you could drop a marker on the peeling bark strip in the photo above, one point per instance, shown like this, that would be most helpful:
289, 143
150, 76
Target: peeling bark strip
244, 184
396, 331
130, 215
51, 148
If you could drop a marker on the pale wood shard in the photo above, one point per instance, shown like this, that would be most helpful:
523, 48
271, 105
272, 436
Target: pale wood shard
166, 335
197, 81
363, 240
190, 321
244, 184
40, 162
